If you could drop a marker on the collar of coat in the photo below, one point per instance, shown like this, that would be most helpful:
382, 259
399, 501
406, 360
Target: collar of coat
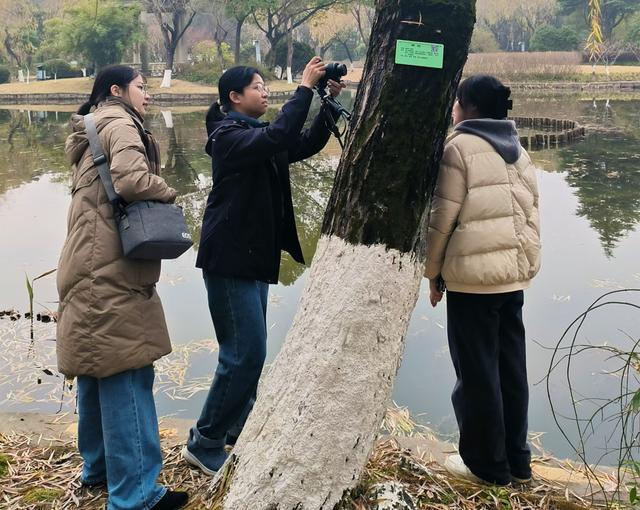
234, 115
151, 147
113, 100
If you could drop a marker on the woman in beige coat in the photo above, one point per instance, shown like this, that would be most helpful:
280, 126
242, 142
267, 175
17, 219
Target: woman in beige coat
483, 243
111, 326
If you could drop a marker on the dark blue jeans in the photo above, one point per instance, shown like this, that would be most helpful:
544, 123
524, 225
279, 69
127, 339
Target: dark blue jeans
238, 309
118, 437
491, 395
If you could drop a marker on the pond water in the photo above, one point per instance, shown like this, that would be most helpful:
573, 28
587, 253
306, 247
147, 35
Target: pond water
590, 209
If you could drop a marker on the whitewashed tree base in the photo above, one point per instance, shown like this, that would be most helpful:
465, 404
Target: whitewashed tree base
166, 79
322, 402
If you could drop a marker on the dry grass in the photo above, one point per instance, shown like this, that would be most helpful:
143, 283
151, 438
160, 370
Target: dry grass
524, 66
545, 66
40, 476
83, 86
36, 473
536, 67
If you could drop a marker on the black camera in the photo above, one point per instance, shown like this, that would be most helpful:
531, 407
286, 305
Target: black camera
333, 71
333, 108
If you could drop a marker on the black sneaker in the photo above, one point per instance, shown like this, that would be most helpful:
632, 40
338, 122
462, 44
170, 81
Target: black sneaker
172, 500
521, 479
99, 484
230, 441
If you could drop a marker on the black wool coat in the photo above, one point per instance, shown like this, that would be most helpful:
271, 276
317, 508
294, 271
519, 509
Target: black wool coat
249, 215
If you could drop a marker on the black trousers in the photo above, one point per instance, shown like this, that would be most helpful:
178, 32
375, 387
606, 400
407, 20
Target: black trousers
491, 394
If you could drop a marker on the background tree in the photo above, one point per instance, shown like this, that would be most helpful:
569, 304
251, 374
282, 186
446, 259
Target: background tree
239, 11
513, 23
611, 12
277, 18
324, 28
483, 41
347, 45
22, 31
302, 53
499, 17
321, 403
363, 12
174, 18
98, 32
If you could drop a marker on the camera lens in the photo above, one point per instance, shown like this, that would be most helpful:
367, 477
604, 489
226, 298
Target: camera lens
335, 71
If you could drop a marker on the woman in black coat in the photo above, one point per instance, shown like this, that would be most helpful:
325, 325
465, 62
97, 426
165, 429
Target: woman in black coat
248, 220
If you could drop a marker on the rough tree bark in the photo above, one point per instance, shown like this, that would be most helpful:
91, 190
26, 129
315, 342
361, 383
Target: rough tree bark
320, 405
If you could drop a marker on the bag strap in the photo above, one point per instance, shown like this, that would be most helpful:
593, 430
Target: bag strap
100, 160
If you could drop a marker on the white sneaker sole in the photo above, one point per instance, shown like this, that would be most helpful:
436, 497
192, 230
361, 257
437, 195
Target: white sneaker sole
193, 460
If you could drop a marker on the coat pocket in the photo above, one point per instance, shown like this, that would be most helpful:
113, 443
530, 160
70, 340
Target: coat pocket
84, 178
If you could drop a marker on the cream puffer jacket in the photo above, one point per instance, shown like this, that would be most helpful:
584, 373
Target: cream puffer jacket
484, 231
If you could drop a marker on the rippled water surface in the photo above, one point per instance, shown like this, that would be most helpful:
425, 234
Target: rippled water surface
590, 209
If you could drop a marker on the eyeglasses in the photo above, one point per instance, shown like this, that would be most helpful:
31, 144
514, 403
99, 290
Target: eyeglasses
143, 88
260, 87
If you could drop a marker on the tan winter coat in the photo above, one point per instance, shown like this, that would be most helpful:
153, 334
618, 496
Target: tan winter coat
110, 318
484, 233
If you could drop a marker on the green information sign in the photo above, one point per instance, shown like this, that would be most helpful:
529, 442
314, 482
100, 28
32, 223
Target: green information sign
423, 54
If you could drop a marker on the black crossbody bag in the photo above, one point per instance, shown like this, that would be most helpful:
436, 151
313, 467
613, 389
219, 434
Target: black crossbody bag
148, 229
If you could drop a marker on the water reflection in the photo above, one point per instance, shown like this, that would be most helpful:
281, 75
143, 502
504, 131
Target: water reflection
605, 174
589, 204
604, 169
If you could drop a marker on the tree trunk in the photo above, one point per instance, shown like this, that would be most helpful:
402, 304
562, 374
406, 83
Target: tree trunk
8, 44
355, 11
321, 404
170, 47
289, 52
346, 49
270, 59
236, 46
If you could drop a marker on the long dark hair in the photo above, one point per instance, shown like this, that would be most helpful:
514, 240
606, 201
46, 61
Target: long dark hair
232, 80
118, 75
487, 94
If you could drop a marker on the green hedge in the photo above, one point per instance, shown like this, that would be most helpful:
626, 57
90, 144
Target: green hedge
548, 38
60, 68
199, 72
209, 74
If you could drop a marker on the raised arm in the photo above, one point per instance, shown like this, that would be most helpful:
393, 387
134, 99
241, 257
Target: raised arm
132, 179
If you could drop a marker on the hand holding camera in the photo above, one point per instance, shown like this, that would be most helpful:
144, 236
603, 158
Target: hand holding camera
313, 72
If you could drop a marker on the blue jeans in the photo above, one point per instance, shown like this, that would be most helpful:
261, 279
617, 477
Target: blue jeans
118, 437
238, 309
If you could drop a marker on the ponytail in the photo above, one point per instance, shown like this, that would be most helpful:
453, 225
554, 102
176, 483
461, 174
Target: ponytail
85, 108
214, 114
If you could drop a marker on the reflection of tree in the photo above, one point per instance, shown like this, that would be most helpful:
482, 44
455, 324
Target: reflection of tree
181, 167
311, 183
34, 146
177, 167
605, 172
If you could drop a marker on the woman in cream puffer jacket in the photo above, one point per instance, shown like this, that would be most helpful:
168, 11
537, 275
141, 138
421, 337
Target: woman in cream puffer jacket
483, 243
